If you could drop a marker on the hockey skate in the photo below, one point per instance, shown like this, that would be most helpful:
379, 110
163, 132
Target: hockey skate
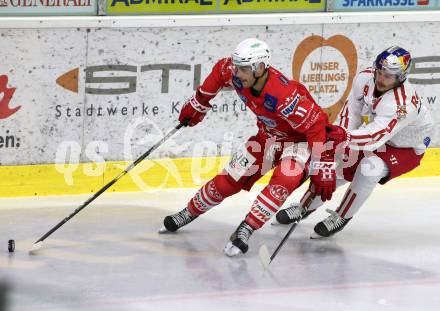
239, 240
329, 226
293, 213
173, 222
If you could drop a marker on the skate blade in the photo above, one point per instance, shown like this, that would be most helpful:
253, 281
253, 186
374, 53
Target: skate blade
275, 222
315, 236
163, 230
231, 250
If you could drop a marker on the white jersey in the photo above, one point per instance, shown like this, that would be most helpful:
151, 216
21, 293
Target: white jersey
397, 118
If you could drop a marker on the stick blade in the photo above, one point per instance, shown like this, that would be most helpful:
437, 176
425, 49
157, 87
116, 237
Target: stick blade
264, 255
35, 248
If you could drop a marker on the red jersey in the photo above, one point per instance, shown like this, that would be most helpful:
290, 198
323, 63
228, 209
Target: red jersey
285, 110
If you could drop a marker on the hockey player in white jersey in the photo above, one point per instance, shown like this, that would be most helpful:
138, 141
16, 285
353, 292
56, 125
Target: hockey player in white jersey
383, 131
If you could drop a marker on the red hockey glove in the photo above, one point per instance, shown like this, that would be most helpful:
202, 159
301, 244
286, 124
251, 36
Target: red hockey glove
193, 112
323, 176
337, 134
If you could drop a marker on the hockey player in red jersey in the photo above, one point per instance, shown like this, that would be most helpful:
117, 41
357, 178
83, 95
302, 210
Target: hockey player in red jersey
387, 130
291, 131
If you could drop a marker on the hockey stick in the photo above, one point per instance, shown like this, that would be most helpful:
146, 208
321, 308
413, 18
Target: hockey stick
38, 244
263, 252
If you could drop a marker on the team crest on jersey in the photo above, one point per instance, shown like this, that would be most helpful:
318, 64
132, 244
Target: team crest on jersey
237, 82
290, 107
268, 122
270, 102
401, 112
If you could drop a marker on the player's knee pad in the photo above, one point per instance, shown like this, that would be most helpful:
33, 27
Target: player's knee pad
213, 193
290, 179
226, 185
372, 169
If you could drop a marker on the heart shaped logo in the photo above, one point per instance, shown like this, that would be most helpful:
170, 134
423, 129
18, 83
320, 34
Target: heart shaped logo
323, 78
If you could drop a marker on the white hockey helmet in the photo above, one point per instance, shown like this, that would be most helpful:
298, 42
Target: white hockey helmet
251, 52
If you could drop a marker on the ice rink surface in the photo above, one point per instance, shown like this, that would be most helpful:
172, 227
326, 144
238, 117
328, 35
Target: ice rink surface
110, 257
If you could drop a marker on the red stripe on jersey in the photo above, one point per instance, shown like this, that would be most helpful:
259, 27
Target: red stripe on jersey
396, 96
349, 204
360, 136
371, 142
363, 144
402, 90
391, 125
381, 134
380, 137
343, 200
367, 71
378, 133
264, 202
370, 136
346, 115
342, 113
344, 118
377, 103
340, 119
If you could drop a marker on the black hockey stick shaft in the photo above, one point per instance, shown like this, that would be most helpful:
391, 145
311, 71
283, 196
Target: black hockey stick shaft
292, 227
108, 185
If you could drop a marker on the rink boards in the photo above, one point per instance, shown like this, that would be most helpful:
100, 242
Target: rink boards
150, 175
91, 92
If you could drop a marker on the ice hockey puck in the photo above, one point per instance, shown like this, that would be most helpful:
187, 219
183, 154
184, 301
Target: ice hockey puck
11, 246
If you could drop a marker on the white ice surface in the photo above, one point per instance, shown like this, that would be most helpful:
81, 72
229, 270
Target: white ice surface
110, 256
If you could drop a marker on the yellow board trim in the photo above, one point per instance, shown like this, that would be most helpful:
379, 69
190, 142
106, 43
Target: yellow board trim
50, 179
